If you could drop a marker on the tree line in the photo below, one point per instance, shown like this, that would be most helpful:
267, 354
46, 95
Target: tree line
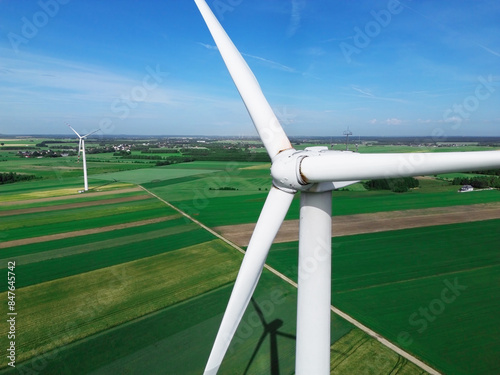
11, 177
478, 182
397, 185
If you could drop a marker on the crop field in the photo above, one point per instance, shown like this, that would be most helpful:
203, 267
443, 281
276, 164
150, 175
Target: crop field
152, 174
67, 167
117, 276
216, 208
429, 290
120, 299
106, 277
34, 225
204, 196
114, 263
109, 286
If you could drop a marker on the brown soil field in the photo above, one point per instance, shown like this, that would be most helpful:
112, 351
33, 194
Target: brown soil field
376, 222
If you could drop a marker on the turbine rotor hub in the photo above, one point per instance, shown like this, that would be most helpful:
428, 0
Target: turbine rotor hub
286, 172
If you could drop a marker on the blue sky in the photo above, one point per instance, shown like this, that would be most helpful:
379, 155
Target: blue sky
150, 67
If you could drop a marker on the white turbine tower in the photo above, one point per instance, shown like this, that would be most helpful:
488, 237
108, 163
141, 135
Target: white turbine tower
81, 148
315, 172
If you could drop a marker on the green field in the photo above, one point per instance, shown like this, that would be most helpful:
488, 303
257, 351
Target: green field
148, 297
124, 291
72, 260
384, 279
151, 174
216, 208
105, 286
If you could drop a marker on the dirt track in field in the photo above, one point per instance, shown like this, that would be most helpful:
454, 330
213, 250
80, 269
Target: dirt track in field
73, 205
376, 222
59, 236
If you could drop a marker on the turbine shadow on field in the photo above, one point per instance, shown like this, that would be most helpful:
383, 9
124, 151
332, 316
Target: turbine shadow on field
271, 329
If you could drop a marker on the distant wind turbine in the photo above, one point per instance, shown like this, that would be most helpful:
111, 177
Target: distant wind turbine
81, 148
315, 172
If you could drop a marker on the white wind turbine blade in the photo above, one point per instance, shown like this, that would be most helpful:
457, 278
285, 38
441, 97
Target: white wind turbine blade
270, 131
79, 136
272, 215
347, 166
95, 131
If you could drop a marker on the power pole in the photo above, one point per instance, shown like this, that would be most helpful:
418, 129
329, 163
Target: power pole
347, 133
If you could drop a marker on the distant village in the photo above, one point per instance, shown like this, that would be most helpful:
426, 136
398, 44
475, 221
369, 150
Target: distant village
95, 145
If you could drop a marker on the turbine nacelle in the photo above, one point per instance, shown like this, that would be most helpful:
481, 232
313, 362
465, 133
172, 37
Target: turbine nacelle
288, 176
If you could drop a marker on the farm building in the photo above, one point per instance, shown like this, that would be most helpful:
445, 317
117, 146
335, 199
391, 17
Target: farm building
466, 188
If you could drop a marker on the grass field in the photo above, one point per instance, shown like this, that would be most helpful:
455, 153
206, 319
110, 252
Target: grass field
72, 260
149, 298
18, 229
216, 208
357, 353
66, 167
429, 290
106, 286
151, 174
192, 271
177, 339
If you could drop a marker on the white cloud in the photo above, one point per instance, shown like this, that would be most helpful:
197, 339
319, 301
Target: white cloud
271, 64
393, 121
295, 17
208, 46
362, 91
489, 50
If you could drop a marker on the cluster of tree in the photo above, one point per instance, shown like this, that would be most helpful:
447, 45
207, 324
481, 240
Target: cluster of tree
142, 157
161, 151
196, 151
227, 154
257, 157
42, 153
491, 172
142, 148
47, 143
99, 150
397, 185
11, 177
174, 161
480, 182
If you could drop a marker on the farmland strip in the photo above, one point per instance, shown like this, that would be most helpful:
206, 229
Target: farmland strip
97, 300
74, 205
53, 237
416, 278
70, 196
101, 245
376, 222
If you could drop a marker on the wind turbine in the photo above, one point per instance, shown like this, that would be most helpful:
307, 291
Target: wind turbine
315, 172
81, 148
